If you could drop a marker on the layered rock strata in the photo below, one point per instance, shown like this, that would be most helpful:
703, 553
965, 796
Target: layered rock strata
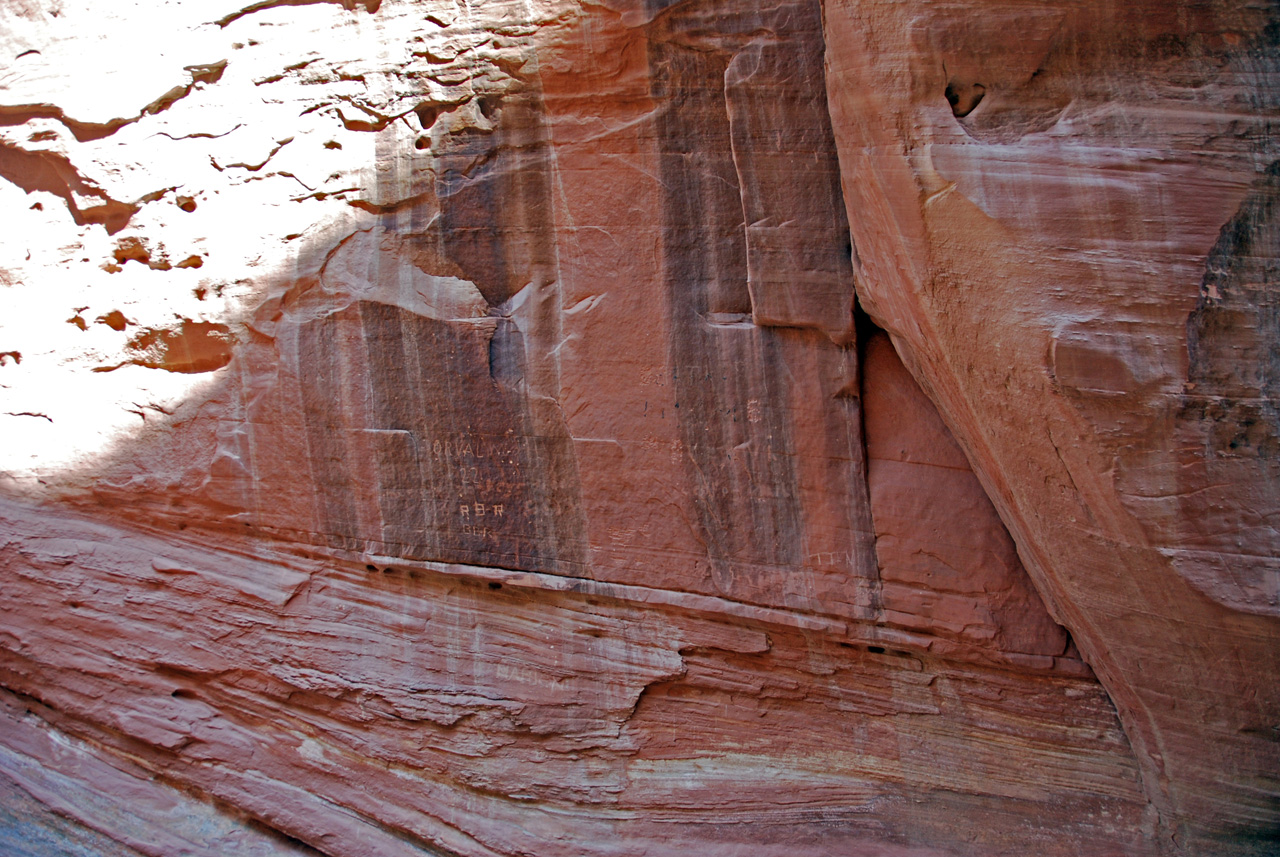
449, 428
1068, 236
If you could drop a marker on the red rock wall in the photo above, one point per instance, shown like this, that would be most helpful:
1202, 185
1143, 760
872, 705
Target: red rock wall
512, 471
1075, 270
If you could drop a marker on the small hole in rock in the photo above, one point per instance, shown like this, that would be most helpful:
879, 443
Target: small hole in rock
964, 97
495, 585
876, 650
370, 568
388, 570
427, 115
422, 142
489, 105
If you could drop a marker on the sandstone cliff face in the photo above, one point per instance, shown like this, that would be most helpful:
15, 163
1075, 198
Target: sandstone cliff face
450, 428
1077, 269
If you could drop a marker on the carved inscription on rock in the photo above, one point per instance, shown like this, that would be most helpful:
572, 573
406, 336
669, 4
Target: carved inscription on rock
425, 455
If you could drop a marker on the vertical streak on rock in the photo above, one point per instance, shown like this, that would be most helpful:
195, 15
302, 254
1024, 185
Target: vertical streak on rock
454, 464
717, 369
771, 435
324, 436
799, 270
395, 412
528, 202
497, 227
447, 441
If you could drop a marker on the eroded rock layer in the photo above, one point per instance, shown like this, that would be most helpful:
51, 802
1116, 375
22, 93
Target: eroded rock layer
1068, 237
449, 428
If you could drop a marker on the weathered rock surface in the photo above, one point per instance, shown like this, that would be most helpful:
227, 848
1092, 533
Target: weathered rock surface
1069, 237
447, 428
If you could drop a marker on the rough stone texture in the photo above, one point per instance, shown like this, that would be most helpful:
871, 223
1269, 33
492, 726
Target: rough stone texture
946, 564
447, 428
1068, 235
